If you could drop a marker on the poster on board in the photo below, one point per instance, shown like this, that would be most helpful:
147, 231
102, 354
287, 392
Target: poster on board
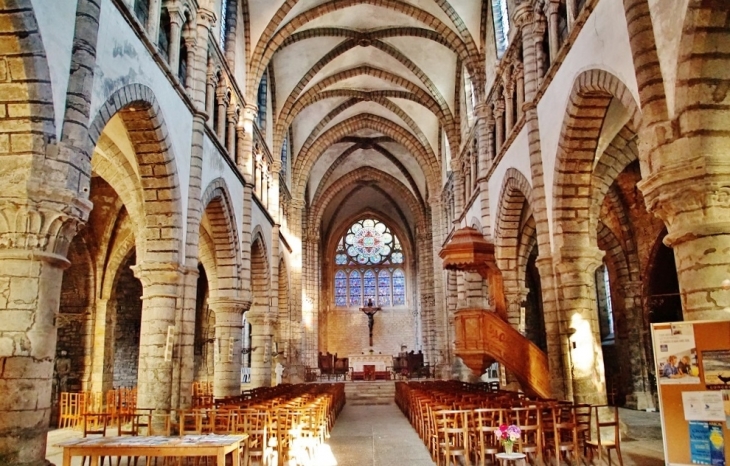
716, 369
706, 443
703, 406
676, 355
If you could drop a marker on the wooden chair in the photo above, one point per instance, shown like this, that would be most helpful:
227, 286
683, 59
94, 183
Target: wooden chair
605, 424
95, 424
255, 424
583, 422
485, 443
528, 419
563, 443
452, 437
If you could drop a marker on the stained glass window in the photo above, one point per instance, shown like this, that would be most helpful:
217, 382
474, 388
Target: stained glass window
369, 255
399, 287
355, 289
340, 288
384, 283
369, 285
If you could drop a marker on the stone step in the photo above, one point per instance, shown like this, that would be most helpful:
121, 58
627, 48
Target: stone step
370, 392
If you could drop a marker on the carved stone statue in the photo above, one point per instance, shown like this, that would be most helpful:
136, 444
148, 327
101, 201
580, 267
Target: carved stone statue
279, 371
63, 370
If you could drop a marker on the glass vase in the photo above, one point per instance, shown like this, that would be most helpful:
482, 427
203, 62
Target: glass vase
508, 447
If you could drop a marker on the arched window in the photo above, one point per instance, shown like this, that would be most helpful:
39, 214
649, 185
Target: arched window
369, 265
500, 15
142, 11
261, 100
163, 40
223, 23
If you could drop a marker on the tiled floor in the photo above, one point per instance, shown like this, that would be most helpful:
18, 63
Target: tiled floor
381, 436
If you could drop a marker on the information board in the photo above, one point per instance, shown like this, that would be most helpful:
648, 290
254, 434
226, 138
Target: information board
693, 374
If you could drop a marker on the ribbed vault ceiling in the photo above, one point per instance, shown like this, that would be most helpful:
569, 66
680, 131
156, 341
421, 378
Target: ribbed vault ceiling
368, 90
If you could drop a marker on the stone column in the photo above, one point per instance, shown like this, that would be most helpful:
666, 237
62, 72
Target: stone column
189, 77
153, 20
210, 97
173, 48
509, 105
231, 133
519, 77
641, 396
102, 355
553, 20
693, 200
296, 214
261, 333
538, 36
32, 256
557, 343
499, 123
222, 109
228, 334
576, 269
161, 283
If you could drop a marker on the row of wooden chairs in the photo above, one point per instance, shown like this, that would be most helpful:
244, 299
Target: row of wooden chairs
458, 425
284, 425
117, 403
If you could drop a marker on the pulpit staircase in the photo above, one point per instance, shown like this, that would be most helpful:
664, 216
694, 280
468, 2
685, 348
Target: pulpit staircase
484, 335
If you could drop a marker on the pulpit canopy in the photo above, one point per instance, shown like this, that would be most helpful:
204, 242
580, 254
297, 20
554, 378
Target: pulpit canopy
469, 251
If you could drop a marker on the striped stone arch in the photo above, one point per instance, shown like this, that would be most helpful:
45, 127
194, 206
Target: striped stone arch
621, 152
26, 85
382, 97
322, 201
412, 126
515, 194
702, 103
260, 269
295, 102
207, 259
592, 93
274, 35
342, 158
121, 249
111, 165
216, 203
626, 235
138, 109
307, 158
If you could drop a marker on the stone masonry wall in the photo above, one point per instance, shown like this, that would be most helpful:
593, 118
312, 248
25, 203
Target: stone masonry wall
347, 332
128, 307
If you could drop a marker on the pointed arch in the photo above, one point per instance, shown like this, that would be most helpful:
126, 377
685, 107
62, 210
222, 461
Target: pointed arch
138, 108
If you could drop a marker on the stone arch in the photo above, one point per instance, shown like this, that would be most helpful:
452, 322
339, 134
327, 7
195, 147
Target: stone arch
260, 269
617, 156
224, 234
589, 100
137, 106
274, 35
285, 320
515, 196
515, 192
111, 165
702, 103
207, 255
306, 159
376, 147
320, 202
357, 97
27, 87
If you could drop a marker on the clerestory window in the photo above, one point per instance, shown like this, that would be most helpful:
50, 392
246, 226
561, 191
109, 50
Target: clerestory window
369, 266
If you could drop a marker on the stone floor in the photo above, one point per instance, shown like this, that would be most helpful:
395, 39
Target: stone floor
381, 436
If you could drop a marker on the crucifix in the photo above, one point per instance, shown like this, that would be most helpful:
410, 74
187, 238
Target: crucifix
370, 312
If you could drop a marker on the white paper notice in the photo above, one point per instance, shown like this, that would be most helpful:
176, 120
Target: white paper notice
703, 406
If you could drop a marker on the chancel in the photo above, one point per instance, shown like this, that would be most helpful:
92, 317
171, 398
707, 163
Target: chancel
192, 191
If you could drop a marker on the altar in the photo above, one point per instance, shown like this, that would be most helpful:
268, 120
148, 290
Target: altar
382, 362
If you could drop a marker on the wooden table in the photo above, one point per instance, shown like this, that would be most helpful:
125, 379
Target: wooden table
187, 446
506, 458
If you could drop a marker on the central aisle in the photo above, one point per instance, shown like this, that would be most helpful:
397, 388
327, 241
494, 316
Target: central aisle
376, 436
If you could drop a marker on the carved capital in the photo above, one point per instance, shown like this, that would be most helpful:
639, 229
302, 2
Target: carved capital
43, 224
158, 273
